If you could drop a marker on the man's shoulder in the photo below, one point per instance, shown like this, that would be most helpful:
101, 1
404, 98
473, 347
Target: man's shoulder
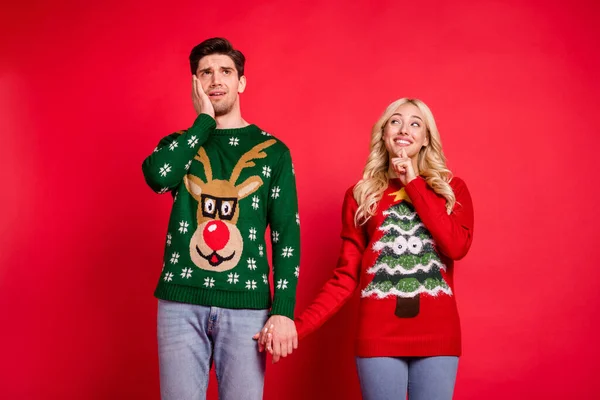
278, 147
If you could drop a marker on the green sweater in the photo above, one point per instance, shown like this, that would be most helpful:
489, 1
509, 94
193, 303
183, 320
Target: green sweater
228, 185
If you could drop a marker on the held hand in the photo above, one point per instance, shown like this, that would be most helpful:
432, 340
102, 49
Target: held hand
403, 166
278, 336
265, 338
201, 101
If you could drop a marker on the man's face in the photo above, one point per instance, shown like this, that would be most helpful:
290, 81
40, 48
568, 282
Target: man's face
220, 82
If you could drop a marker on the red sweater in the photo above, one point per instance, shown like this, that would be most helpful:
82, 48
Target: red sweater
402, 259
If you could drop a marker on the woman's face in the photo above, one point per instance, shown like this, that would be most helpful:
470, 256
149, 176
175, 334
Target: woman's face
405, 130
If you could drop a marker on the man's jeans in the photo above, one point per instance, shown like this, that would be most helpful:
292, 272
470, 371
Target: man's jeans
190, 337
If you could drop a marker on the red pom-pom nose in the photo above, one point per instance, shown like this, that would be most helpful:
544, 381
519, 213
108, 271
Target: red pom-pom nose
216, 235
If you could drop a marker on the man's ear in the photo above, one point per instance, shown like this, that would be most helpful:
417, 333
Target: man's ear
242, 85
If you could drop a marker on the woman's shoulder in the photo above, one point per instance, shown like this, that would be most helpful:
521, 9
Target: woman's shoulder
350, 190
457, 182
459, 187
349, 195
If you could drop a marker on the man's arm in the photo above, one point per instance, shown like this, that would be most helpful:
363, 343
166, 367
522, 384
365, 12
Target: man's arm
166, 166
284, 222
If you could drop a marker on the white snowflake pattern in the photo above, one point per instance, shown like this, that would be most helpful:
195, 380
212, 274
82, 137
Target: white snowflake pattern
183, 226
266, 171
275, 192
155, 149
193, 141
260, 250
298, 218
233, 141
287, 252
282, 284
293, 170
173, 146
165, 169
163, 190
250, 285
251, 264
233, 278
186, 273
265, 279
188, 165
163, 267
255, 202
169, 237
168, 277
297, 272
275, 236
252, 235
265, 133
174, 258
209, 282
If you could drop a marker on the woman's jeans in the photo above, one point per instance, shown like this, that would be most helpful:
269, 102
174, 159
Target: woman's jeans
390, 378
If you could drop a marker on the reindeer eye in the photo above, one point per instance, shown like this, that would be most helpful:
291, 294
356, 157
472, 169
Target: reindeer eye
209, 206
226, 208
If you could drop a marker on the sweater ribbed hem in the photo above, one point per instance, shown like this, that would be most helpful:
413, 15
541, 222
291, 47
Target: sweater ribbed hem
283, 306
408, 347
213, 297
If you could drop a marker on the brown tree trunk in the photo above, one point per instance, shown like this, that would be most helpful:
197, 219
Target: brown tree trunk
407, 307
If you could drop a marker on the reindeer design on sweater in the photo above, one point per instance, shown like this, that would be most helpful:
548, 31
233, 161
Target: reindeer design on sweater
217, 243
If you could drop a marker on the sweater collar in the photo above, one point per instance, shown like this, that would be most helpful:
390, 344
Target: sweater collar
247, 130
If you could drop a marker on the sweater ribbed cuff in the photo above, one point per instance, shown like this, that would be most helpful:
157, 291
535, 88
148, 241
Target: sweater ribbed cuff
205, 121
303, 328
416, 184
283, 306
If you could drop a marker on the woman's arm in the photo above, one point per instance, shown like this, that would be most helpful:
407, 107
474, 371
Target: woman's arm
340, 287
453, 233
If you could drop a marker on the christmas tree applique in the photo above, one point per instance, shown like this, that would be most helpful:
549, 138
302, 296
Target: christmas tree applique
408, 263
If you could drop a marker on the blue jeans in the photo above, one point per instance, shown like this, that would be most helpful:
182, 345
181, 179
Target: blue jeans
190, 337
390, 378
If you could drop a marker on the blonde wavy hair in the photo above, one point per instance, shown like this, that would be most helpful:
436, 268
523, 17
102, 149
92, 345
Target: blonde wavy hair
431, 163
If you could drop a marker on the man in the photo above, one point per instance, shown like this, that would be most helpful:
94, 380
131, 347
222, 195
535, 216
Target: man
229, 180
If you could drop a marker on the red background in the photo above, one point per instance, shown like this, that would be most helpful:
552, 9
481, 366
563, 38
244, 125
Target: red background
87, 90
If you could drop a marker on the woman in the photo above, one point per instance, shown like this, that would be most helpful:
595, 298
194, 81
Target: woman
404, 224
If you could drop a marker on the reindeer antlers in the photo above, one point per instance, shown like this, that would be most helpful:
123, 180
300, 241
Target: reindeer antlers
246, 160
203, 158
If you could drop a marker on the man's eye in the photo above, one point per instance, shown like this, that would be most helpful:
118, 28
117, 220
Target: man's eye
226, 72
